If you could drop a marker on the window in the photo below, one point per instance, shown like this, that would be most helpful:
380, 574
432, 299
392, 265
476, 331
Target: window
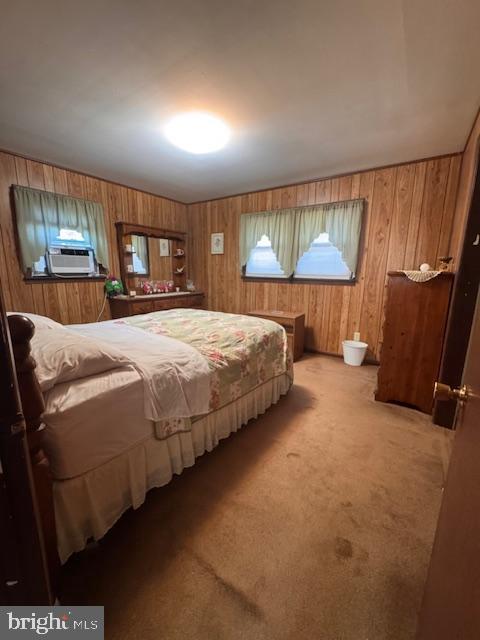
45, 219
318, 242
263, 262
40, 267
322, 260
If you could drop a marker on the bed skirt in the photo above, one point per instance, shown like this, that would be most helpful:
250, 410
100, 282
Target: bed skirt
89, 505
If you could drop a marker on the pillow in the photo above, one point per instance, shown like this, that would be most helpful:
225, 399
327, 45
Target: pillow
63, 355
40, 322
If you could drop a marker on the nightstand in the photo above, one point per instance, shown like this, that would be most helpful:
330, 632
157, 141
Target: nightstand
294, 325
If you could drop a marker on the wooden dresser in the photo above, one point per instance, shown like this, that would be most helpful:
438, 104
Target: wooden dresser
122, 306
294, 325
413, 334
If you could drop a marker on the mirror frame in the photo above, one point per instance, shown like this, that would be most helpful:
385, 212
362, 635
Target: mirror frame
178, 239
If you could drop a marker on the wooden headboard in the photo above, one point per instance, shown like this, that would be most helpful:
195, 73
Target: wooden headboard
21, 332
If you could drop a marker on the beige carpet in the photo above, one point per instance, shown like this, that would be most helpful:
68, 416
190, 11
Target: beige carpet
313, 522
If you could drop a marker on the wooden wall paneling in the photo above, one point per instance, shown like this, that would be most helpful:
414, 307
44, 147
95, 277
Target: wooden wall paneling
365, 190
402, 207
402, 202
4, 272
71, 302
432, 211
446, 228
48, 178
231, 221
338, 322
466, 184
375, 268
42, 301
415, 215
20, 297
410, 211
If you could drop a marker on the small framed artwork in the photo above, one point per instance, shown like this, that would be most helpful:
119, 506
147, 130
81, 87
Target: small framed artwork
164, 247
217, 243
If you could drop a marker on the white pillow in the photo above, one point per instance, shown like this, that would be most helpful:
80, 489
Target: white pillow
40, 322
63, 355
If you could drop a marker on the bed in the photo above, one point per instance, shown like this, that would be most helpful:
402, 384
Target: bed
131, 402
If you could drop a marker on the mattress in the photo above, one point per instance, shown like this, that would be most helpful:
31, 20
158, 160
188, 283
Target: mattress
92, 420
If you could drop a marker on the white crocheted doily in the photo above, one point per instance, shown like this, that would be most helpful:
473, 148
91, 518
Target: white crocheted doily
421, 276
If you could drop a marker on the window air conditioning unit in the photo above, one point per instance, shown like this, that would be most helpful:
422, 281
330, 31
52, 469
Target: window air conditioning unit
71, 259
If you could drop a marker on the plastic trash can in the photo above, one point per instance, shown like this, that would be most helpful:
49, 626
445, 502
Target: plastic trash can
354, 352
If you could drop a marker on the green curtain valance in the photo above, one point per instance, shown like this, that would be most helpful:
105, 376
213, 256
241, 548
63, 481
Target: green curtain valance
292, 231
41, 214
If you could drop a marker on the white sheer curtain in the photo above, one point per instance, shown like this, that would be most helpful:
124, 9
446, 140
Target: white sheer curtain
292, 231
278, 226
40, 216
341, 220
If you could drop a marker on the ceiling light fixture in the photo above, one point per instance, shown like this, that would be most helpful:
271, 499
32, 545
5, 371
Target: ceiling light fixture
197, 132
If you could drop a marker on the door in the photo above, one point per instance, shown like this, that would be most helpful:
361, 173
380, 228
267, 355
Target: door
461, 310
451, 604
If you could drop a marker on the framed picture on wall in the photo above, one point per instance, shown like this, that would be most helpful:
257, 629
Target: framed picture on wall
217, 243
164, 247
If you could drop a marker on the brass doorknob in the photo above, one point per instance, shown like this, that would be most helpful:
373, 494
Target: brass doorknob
445, 392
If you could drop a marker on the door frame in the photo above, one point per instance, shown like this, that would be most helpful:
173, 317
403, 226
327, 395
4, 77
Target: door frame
462, 308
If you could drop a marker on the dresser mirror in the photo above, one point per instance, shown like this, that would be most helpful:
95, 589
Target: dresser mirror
151, 258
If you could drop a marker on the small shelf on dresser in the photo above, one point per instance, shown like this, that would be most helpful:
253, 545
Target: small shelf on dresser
123, 306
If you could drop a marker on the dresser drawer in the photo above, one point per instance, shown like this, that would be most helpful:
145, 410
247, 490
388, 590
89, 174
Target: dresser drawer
141, 307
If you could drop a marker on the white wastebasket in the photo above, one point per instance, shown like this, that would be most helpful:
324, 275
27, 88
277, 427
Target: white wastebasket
354, 352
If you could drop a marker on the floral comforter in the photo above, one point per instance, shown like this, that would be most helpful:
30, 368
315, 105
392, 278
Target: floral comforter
242, 351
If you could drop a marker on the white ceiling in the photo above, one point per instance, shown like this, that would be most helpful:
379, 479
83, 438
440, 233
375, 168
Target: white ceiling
311, 88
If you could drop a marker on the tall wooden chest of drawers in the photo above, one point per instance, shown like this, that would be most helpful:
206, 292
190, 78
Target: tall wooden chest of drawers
413, 335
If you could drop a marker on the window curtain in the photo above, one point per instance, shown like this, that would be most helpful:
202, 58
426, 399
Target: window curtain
341, 220
279, 226
292, 231
139, 243
41, 214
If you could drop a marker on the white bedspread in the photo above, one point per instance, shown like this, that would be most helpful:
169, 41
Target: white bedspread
176, 376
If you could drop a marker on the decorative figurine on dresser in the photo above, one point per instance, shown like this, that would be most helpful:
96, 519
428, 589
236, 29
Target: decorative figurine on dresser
153, 271
415, 321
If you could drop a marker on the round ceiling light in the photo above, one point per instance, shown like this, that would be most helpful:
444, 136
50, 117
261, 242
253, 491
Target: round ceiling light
197, 132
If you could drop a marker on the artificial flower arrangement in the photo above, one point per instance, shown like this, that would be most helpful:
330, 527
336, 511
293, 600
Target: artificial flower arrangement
113, 286
153, 286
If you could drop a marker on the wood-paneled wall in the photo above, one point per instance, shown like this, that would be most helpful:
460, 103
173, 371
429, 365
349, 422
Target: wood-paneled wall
71, 302
409, 219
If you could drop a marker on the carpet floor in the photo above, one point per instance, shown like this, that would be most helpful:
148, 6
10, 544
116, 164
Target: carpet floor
315, 521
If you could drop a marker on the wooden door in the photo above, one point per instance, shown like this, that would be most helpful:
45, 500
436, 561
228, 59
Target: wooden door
451, 605
462, 309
